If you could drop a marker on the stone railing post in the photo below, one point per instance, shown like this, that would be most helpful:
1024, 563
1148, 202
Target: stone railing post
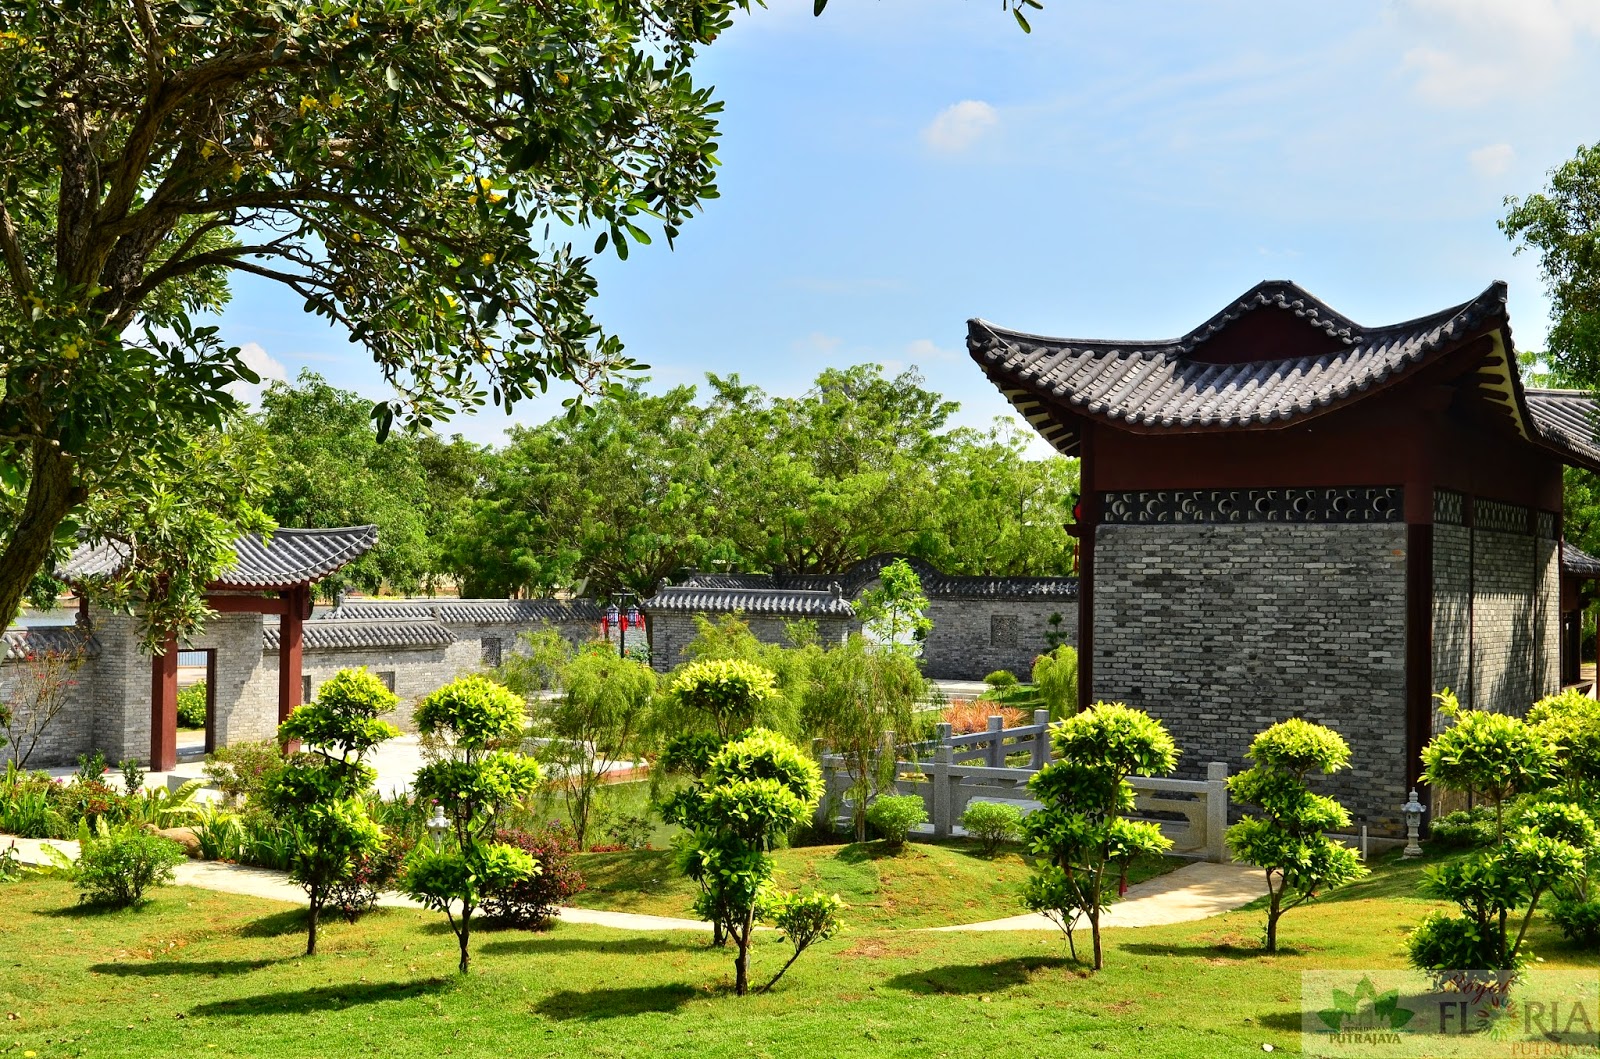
1041, 740
942, 733
942, 800
996, 757
1217, 812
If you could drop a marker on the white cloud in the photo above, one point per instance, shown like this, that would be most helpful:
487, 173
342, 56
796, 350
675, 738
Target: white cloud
925, 349
959, 126
263, 364
818, 343
1476, 50
1492, 160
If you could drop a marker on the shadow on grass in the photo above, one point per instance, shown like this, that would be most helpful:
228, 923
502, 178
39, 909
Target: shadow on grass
540, 944
1219, 950
570, 1004
977, 977
163, 968
322, 998
278, 924
89, 910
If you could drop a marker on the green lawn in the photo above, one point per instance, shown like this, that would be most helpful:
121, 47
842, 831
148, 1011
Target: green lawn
921, 885
198, 973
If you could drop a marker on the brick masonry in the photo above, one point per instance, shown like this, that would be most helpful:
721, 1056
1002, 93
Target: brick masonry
971, 638
1222, 631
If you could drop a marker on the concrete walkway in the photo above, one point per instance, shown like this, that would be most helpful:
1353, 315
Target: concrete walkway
1194, 891
275, 886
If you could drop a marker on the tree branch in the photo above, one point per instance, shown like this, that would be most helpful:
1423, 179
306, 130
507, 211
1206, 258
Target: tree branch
16, 264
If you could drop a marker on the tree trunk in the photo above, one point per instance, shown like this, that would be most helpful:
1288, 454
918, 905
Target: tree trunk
741, 963
311, 926
51, 497
465, 935
1273, 912
1094, 928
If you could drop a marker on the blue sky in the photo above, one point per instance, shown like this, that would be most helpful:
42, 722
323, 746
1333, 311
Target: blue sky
898, 166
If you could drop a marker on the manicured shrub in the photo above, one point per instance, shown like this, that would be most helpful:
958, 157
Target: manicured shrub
1083, 841
1492, 756
727, 691
1579, 921
243, 770
1001, 678
1287, 837
531, 903
802, 918
894, 817
1463, 829
992, 823
192, 705
116, 870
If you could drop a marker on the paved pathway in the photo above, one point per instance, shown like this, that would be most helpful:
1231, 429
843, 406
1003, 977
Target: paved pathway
275, 886
1194, 891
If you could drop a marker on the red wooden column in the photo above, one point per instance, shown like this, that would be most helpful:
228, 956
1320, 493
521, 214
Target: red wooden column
291, 643
164, 708
1089, 501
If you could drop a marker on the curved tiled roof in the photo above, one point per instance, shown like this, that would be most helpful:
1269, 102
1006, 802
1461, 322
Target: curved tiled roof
784, 602
856, 577
22, 641
286, 558
1576, 562
1164, 385
327, 634
472, 611
1566, 419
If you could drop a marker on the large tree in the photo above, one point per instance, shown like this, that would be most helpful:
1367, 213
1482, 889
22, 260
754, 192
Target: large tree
405, 168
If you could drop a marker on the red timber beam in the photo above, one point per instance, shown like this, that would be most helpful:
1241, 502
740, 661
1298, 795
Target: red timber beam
164, 708
291, 648
1419, 487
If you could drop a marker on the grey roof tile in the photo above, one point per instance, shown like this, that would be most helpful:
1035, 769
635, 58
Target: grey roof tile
1566, 419
21, 641
1576, 562
284, 559
327, 634
472, 611
1164, 384
935, 584
779, 602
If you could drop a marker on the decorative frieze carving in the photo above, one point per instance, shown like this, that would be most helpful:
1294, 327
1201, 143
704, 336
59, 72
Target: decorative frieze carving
1185, 506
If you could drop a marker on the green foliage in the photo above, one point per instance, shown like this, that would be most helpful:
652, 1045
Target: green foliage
1570, 724
318, 795
536, 668
857, 694
332, 471
1579, 921
727, 691
1055, 678
1287, 838
895, 611
689, 755
594, 723
1464, 828
243, 770
1561, 223
192, 705
893, 817
1001, 679
756, 790
1543, 850
1490, 755
992, 823
473, 780
532, 901
115, 870
1079, 833
802, 919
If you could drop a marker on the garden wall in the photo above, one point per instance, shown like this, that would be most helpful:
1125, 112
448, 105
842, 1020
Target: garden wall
1222, 630
671, 631
971, 638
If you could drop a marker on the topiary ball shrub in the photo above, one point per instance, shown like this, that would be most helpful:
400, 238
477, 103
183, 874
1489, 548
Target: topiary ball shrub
531, 903
992, 823
1579, 921
192, 705
894, 817
1001, 678
116, 870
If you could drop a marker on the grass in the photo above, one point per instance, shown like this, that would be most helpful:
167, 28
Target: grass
921, 885
199, 973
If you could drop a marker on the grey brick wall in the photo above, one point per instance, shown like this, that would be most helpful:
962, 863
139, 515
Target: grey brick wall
66, 735
971, 638
671, 631
1452, 613
1221, 631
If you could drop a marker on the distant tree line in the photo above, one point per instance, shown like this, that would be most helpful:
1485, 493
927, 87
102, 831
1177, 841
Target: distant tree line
644, 486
